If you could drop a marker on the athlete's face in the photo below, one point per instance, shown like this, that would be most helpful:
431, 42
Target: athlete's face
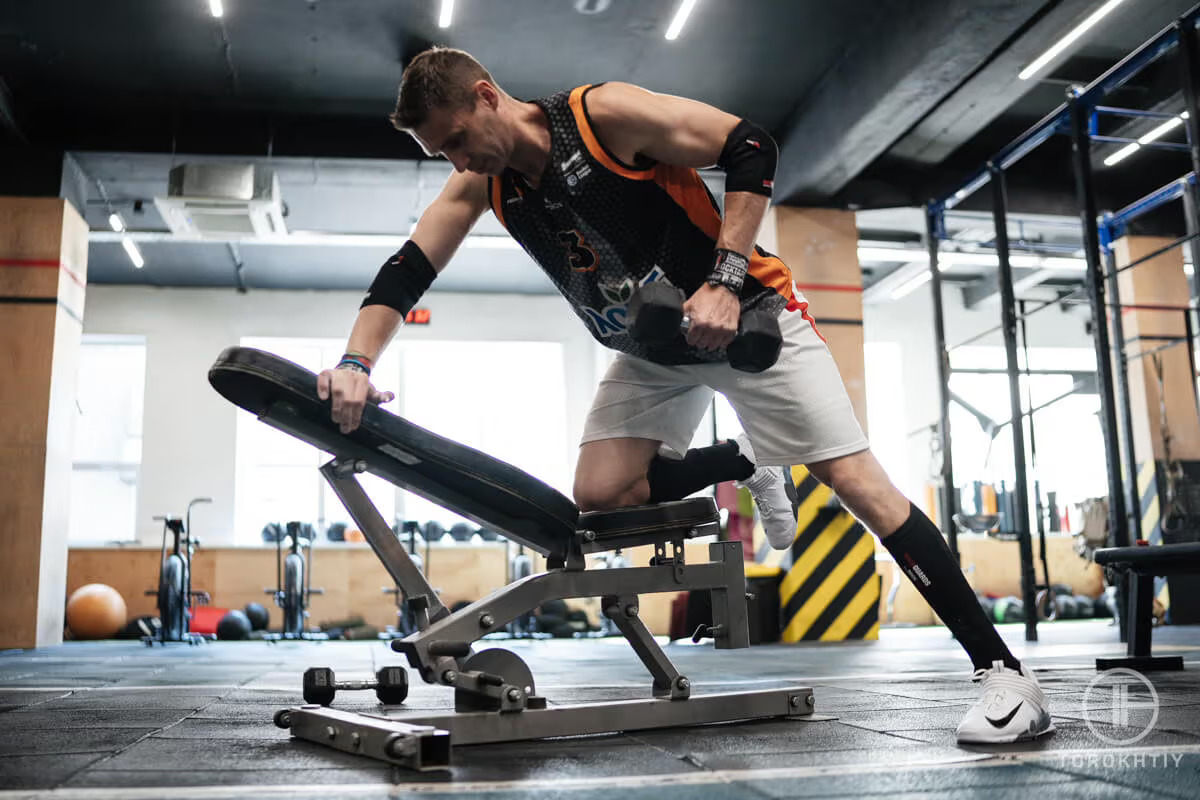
472, 139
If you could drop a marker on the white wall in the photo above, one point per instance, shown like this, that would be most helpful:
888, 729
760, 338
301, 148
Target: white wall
909, 323
188, 447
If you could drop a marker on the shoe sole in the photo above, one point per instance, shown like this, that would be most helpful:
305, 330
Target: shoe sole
793, 494
1023, 737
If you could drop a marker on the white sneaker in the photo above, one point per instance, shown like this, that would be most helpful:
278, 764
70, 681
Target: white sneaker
1012, 708
775, 496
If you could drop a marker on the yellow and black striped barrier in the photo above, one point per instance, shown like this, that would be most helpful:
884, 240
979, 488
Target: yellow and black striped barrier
831, 590
1150, 524
1147, 487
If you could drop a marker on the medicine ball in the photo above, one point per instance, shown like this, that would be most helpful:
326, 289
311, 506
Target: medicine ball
258, 615
96, 611
234, 626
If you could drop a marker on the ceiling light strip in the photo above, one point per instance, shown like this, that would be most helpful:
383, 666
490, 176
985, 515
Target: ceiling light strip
681, 16
1066, 41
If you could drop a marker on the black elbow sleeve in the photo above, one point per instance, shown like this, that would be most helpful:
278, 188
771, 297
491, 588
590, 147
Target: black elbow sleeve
749, 159
401, 280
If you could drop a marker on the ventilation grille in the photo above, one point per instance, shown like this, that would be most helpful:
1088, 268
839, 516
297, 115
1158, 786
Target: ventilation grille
222, 201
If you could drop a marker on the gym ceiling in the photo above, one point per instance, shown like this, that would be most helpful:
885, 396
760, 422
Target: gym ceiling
876, 104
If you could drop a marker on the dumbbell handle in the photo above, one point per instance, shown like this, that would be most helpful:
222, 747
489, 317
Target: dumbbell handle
685, 325
754, 347
350, 686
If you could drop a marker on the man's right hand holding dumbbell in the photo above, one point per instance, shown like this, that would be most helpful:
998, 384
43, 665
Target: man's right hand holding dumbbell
713, 313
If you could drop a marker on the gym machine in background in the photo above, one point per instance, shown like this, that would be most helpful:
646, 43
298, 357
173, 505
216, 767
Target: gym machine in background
293, 585
175, 595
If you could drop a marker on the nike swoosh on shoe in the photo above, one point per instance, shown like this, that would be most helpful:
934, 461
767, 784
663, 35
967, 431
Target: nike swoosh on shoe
1007, 718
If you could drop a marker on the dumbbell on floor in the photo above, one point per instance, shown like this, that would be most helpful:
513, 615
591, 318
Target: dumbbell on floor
390, 685
656, 316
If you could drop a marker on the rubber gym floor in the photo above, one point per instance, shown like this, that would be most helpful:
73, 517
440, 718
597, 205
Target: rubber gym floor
117, 719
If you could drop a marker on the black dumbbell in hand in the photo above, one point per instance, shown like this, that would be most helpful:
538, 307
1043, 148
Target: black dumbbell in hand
656, 316
390, 685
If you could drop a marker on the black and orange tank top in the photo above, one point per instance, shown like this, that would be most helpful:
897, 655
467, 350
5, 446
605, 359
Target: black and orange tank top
600, 229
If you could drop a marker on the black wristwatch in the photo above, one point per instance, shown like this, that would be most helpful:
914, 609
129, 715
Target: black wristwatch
729, 270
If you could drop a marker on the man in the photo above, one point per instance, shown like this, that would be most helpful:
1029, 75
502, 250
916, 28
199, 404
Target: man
599, 185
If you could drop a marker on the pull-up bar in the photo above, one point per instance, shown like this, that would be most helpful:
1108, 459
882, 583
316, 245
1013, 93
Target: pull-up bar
1059, 120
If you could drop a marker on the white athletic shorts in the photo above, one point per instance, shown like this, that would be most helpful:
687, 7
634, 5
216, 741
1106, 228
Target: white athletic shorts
796, 412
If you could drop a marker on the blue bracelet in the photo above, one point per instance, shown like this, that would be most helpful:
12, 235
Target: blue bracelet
358, 365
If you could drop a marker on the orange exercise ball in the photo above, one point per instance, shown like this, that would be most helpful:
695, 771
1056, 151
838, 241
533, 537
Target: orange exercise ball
355, 535
95, 611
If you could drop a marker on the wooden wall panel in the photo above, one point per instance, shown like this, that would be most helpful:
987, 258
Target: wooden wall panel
43, 277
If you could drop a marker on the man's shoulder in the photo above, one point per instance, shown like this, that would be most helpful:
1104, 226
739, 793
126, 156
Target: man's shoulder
613, 95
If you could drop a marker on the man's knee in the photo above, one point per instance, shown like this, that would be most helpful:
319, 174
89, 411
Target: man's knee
607, 494
865, 488
854, 477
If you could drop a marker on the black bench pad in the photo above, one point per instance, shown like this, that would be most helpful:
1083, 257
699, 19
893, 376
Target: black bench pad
1163, 559
660, 516
486, 490
629, 527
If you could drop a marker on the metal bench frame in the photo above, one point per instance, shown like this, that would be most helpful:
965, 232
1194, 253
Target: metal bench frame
502, 705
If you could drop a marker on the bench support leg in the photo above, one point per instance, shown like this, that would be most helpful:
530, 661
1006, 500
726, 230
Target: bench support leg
1140, 616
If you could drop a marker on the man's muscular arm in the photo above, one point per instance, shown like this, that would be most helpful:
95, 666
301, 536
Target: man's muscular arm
633, 122
439, 232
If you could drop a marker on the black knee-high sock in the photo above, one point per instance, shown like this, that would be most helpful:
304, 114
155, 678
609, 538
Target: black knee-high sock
675, 479
923, 554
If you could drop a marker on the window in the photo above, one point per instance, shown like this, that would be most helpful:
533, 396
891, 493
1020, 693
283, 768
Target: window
506, 399
886, 414
107, 450
276, 474
1070, 448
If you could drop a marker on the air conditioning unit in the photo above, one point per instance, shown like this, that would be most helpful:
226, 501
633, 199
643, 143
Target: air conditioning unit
222, 201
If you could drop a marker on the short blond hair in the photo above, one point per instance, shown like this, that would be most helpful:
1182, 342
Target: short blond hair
441, 77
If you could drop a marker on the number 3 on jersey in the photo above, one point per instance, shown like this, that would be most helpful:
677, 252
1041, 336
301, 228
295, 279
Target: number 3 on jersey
581, 257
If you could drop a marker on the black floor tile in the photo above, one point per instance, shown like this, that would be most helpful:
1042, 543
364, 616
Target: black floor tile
547, 763
42, 771
367, 773
281, 755
771, 737
939, 718
28, 698
130, 701
38, 718
24, 741
193, 728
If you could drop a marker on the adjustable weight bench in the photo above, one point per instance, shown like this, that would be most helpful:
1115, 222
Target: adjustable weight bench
494, 692
1144, 563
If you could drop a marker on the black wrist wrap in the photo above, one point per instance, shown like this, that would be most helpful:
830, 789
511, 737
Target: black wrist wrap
729, 269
